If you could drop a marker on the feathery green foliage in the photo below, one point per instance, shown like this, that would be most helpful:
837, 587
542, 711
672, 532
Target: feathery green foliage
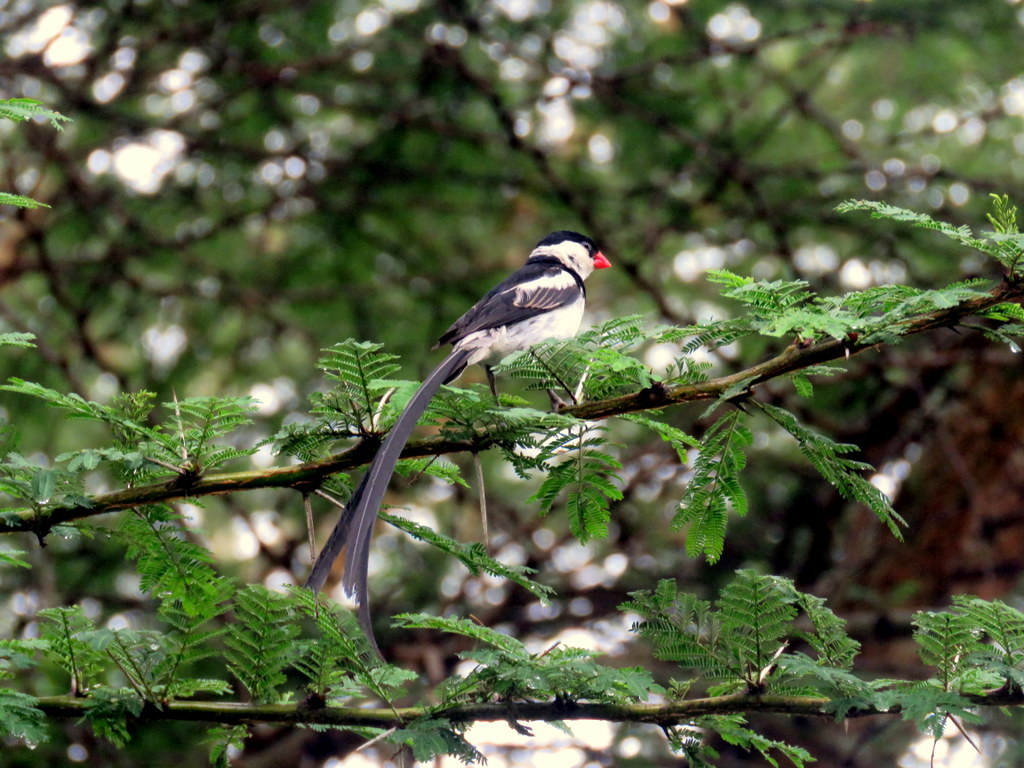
20, 110
757, 613
591, 366
13, 557
929, 707
611, 371
748, 641
828, 639
521, 433
802, 382
558, 365
136, 654
190, 637
976, 645
200, 422
827, 456
260, 641
19, 717
945, 641
677, 438
20, 201
340, 661
751, 639
1005, 244
17, 339
63, 628
714, 487
711, 335
744, 640
191, 593
473, 556
108, 711
187, 442
466, 628
733, 730
743, 643
432, 737
1005, 221
579, 465
357, 404
507, 671
223, 740
39, 486
170, 564
999, 629
681, 627
782, 308
879, 314
441, 468
354, 404
459, 412
881, 210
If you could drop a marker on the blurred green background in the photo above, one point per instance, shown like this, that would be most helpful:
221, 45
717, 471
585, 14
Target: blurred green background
245, 183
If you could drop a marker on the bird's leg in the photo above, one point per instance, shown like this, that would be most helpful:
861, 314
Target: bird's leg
492, 383
478, 466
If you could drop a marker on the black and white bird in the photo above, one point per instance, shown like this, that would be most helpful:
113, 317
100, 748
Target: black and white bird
542, 300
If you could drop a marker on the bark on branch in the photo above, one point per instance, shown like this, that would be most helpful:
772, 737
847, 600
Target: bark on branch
663, 715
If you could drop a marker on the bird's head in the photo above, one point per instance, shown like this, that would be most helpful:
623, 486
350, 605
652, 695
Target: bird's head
576, 251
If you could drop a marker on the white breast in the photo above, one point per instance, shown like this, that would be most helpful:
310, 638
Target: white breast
493, 344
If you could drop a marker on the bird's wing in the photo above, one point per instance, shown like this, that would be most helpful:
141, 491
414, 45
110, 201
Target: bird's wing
532, 290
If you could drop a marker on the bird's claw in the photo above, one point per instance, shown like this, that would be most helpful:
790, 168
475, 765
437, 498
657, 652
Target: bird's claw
558, 402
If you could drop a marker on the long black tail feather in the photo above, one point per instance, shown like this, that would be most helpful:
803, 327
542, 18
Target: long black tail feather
355, 527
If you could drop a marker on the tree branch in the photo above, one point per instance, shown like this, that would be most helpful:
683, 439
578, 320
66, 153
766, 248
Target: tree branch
794, 358
304, 476
664, 715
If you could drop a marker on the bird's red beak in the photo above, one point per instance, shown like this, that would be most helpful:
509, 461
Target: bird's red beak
600, 262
